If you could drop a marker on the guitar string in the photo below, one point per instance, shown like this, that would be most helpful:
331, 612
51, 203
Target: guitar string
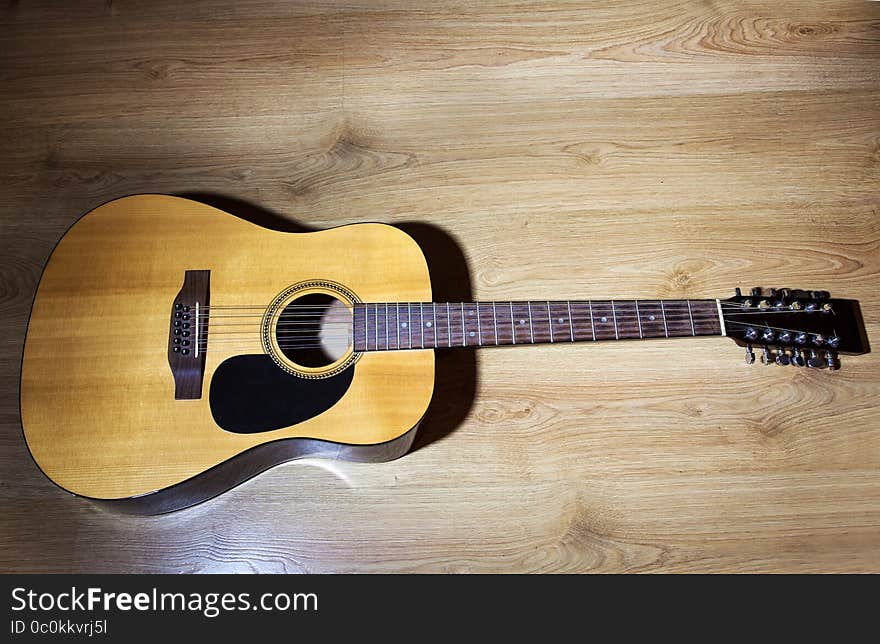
292, 327
301, 345
317, 325
261, 311
393, 319
308, 329
481, 303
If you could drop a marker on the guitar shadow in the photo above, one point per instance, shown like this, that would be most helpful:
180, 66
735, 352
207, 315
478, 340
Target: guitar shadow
455, 376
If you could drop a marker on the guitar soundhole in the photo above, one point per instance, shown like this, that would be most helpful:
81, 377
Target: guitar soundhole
314, 330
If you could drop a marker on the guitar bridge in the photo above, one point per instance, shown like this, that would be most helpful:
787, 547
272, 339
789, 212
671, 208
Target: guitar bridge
188, 335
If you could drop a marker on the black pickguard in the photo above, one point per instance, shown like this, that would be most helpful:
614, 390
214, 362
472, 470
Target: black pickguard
251, 394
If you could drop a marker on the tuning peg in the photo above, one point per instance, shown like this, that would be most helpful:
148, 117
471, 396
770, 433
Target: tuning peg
765, 355
756, 291
831, 360
797, 358
782, 357
814, 361
820, 295
750, 355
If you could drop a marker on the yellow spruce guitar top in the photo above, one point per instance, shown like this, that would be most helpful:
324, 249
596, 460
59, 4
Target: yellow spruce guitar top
174, 350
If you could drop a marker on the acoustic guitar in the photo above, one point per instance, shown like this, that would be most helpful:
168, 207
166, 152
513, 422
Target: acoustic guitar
174, 351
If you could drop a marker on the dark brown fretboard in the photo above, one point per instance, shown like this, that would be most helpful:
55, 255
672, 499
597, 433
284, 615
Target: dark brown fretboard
435, 325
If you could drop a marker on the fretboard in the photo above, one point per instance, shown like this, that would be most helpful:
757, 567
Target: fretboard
387, 326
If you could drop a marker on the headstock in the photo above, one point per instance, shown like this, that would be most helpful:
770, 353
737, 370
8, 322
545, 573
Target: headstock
802, 328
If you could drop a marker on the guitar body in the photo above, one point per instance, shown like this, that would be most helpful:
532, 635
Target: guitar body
105, 415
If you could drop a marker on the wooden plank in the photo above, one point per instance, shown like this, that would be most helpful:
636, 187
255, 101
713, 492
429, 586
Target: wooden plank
641, 151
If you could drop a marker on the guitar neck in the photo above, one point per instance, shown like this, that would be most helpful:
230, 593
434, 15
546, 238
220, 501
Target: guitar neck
387, 326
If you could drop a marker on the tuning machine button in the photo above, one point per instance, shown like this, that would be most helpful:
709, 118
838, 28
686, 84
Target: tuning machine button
765, 355
797, 358
750, 355
782, 357
814, 361
756, 291
831, 360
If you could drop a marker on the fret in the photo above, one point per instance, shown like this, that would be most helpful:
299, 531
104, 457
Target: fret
449, 323
520, 318
531, 328
691, 315
463, 332
614, 315
580, 321
473, 335
408, 323
385, 306
665, 326
377, 330
479, 327
560, 316
627, 320
495, 322
592, 326
639, 319
512, 325
550, 321
392, 325
378, 345
706, 320
434, 315
651, 319
367, 328
356, 329
541, 331
677, 318
504, 323
603, 321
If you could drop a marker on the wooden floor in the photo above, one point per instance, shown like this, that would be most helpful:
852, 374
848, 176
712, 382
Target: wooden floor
558, 149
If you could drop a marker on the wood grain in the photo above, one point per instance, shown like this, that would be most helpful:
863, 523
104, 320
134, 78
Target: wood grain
641, 150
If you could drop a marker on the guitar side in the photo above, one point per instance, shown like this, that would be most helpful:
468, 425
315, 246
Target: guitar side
98, 403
